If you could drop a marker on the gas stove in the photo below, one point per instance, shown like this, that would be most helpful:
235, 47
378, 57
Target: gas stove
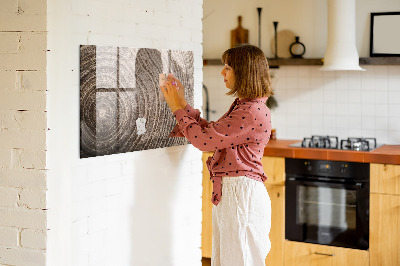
332, 142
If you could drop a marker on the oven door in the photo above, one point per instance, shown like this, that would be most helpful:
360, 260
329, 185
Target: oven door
327, 213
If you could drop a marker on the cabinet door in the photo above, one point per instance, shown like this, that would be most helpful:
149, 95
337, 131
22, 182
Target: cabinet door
206, 232
384, 230
385, 178
277, 233
304, 254
274, 168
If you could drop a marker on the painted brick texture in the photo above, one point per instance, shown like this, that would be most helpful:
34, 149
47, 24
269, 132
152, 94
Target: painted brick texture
139, 208
23, 132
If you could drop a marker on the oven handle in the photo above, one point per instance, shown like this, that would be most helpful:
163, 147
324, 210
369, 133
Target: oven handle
357, 185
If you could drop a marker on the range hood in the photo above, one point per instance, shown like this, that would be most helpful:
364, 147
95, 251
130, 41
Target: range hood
341, 51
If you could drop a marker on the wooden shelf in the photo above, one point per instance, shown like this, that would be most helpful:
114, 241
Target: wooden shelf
274, 63
380, 61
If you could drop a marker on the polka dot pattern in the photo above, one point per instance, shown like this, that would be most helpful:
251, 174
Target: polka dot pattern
238, 140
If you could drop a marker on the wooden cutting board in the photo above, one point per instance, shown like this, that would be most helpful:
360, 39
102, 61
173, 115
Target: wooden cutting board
239, 35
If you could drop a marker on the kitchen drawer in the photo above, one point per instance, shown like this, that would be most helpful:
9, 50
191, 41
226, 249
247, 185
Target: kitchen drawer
305, 254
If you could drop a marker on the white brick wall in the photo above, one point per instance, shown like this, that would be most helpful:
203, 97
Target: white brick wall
22, 132
140, 208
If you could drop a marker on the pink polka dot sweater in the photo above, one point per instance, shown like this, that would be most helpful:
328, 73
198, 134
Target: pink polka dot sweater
238, 139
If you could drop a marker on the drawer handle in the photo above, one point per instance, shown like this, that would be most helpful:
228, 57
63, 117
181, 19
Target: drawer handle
324, 254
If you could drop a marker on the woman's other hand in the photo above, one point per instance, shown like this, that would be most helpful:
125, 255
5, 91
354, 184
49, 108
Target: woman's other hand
171, 95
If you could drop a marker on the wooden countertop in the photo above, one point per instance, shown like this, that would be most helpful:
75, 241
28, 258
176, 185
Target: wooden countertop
389, 154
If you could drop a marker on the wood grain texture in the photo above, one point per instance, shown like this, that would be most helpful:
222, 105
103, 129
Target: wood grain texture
384, 230
385, 178
389, 154
274, 168
119, 90
304, 254
206, 225
277, 233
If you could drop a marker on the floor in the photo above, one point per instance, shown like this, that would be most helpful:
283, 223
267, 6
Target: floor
206, 261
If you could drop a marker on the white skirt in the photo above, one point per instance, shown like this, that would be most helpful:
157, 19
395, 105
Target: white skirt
241, 223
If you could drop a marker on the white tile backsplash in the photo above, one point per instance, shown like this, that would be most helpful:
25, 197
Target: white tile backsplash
342, 103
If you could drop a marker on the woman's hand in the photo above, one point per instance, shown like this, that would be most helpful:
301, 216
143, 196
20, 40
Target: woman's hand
181, 92
172, 95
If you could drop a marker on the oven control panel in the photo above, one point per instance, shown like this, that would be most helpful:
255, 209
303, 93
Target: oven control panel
338, 169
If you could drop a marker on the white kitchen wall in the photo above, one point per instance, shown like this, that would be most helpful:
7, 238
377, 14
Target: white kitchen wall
139, 208
306, 19
343, 103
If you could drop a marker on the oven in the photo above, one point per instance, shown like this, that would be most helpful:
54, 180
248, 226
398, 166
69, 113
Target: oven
327, 202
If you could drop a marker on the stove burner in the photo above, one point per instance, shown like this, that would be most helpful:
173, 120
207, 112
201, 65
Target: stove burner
328, 142
358, 144
332, 142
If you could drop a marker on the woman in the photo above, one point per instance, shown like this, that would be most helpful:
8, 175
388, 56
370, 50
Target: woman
242, 208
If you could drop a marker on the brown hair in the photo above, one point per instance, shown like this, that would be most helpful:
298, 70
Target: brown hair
250, 66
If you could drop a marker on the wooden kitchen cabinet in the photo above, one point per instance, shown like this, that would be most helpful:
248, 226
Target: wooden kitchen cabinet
385, 215
384, 236
305, 254
274, 168
206, 225
385, 178
277, 233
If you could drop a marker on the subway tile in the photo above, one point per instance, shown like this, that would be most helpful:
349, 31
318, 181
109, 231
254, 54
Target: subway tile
355, 109
367, 123
367, 96
381, 110
380, 71
329, 122
394, 137
355, 132
342, 122
329, 109
382, 136
368, 110
355, 122
381, 84
394, 123
342, 109
394, 70
303, 82
381, 123
394, 83
354, 82
355, 96
381, 97
342, 96
291, 71
304, 72
394, 110
329, 94
292, 82
316, 72
394, 97
367, 83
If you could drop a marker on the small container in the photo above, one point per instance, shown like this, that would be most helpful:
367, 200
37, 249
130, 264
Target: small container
273, 134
